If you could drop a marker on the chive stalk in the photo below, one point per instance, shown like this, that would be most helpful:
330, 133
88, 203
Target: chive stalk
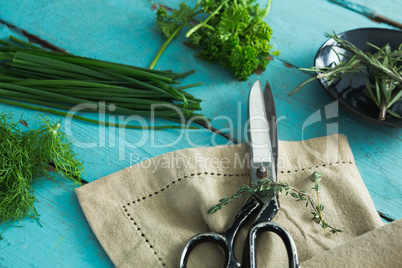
34, 75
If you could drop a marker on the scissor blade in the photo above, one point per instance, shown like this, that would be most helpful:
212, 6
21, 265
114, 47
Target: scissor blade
273, 128
258, 133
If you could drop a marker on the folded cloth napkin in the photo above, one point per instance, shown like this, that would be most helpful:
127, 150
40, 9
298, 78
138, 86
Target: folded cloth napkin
381, 247
144, 215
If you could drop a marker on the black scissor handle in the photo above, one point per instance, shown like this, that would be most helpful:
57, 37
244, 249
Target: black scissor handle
225, 240
219, 239
249, 257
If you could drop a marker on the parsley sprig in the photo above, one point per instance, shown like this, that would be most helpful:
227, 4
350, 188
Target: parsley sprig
233, 34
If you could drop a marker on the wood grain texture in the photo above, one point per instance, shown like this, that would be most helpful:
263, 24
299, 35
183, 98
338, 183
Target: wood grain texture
124, 31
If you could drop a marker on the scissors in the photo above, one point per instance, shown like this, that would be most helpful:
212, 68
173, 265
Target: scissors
263, 141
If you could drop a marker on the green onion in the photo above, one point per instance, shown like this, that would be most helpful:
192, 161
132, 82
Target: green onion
33, 75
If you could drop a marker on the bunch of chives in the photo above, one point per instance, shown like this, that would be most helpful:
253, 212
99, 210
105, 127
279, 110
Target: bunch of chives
31, 74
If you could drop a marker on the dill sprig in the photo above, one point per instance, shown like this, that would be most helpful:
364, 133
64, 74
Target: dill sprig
384, 66
266, 186
26, 156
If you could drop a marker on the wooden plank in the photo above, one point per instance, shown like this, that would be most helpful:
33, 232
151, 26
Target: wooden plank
300, 26
124, 31
65, 240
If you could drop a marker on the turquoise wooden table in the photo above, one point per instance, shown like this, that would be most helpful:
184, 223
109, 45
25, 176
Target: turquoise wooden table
125, 32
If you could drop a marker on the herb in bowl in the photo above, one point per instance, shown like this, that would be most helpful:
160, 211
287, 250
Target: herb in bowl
384, 68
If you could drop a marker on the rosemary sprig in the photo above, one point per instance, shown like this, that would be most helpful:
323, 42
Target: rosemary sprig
384, 65
266, 186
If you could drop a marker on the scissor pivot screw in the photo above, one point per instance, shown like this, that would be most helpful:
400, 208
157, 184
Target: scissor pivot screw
262, 172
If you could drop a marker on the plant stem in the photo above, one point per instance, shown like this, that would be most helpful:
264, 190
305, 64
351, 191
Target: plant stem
204, 23
383, 109
60, 80
310, 200
164, 46
369, 60
262, 17
302, 85
319, 210
101, 123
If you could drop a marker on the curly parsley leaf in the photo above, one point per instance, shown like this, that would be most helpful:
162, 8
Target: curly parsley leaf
234, 33
167, 24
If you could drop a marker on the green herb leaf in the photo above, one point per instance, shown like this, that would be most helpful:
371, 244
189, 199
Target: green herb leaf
234, 33
26, 156
384, 66
60, 80
317, 187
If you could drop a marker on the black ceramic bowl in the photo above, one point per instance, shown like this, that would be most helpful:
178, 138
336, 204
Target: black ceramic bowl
350, 93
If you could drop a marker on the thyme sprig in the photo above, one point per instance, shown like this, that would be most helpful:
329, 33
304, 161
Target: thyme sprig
266, 186
384, 66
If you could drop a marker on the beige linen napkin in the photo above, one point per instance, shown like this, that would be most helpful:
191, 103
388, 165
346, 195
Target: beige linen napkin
144, 215
381, 247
